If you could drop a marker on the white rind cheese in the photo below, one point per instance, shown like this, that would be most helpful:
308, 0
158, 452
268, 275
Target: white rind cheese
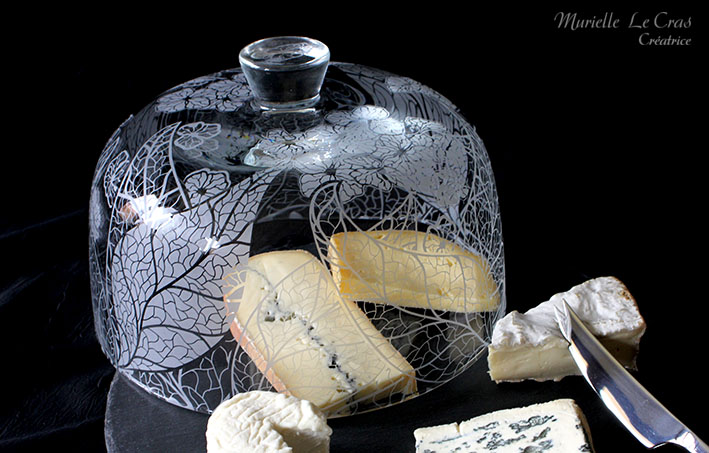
308, 341
530, 345
267, 422
554, 427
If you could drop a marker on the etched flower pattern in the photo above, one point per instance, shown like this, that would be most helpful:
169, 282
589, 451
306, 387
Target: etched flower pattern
205, 184
198, 137
367, 147
223, 95
427, 160
185, 99
282, 148
351, 173
159, 278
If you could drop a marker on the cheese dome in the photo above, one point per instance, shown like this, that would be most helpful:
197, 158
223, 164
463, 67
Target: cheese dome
377, 178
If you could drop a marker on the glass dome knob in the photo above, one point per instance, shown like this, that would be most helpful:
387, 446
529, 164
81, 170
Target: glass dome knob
286, 72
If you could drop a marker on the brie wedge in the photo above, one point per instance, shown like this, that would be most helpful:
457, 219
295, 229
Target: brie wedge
411, 269
555, 427
531, 346
267, 422
307, 340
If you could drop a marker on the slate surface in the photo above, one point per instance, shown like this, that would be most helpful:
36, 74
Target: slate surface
137, 422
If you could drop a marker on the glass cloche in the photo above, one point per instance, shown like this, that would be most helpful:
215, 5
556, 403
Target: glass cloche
298, 225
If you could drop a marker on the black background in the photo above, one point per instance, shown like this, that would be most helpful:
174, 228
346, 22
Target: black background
594, 140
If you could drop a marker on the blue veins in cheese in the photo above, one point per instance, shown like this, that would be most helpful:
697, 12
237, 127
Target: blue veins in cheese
557, 426
308, 341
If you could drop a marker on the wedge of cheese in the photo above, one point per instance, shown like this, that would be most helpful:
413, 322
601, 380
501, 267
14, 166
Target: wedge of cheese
307, 340
411, 269
267, 422
554, 427
531, 346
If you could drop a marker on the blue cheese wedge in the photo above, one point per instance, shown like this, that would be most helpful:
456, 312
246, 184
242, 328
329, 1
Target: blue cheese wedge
530, 345
554, 427
310, 342
267, 422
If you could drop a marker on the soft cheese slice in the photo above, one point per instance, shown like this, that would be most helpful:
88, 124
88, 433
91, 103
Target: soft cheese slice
307, 340
531, 346
411, 269
267, 422
554, 427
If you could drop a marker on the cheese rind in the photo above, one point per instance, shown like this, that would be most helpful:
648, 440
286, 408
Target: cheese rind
267, 422
554, 427
411, 269
310, 342
530, 345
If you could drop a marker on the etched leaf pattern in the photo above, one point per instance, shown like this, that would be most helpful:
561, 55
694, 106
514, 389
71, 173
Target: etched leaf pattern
438, 344
166, 267
397, 155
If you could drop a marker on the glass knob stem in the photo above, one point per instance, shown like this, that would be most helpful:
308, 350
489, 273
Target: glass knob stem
286, 72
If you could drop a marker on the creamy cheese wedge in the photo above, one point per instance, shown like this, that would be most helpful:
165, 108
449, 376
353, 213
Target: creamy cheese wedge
309, 341
530, 345
267, 422
411, 269
554, 427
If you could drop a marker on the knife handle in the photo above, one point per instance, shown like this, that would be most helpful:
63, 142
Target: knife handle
691, 442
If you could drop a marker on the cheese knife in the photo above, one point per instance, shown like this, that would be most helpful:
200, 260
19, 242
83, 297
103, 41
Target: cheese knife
648, 420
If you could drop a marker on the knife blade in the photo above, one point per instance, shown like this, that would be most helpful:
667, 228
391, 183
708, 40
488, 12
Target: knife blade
645, 417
